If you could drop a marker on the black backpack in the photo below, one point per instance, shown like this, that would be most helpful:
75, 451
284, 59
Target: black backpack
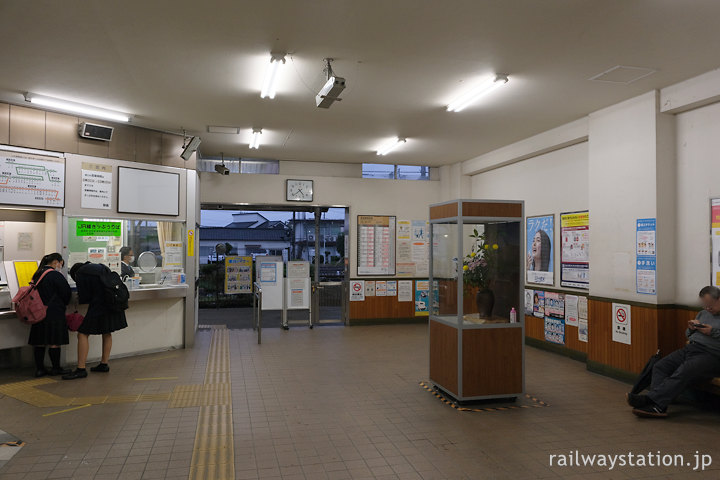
116, 293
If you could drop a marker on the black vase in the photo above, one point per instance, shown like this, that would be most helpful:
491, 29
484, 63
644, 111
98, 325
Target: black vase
485, 301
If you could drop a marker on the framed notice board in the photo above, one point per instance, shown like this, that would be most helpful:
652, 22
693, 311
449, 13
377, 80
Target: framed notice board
376, 245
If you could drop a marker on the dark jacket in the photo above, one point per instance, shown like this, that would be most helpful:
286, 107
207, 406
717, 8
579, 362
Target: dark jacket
54, 292
99, 319
126, 270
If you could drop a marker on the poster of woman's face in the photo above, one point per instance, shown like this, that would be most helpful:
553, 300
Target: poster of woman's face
539, 262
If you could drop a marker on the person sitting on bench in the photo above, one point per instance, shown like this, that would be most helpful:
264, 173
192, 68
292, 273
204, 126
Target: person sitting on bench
698, 361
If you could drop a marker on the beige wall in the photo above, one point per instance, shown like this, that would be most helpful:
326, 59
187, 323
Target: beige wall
22, 126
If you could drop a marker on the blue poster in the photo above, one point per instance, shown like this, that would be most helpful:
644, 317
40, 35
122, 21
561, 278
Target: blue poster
646, 256
422, 300
555, 330
539, 249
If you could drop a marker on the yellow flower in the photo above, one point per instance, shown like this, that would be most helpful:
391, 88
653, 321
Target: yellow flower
495, 246
487, 247
466, 268
472, 255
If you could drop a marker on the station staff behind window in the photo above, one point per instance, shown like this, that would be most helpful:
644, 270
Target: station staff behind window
127, 257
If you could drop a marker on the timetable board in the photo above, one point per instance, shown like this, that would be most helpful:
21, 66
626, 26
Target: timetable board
27, 179
376, 245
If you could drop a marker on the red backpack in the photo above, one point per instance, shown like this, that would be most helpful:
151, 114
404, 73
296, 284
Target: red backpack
29, 307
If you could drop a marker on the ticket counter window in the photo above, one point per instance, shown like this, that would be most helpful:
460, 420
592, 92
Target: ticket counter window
157, 247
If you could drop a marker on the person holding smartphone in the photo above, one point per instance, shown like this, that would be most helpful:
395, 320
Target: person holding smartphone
698, 361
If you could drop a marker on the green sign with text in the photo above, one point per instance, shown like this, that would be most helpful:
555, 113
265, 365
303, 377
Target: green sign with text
98, 229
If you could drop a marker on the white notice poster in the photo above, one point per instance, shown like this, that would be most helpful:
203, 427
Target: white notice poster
96, 186
370, 288
113, 262
357, 290
392, 288
528, 302
97, 254
571, 310
582, 308
583, 330
268, 272
405, 291
621, 323
381, 288
174, 252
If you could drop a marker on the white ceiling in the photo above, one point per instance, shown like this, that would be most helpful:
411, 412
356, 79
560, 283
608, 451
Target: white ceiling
186, 63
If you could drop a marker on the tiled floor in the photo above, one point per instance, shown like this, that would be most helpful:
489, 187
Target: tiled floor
336, 403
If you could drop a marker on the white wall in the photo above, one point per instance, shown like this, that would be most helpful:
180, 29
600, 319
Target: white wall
698, 179
37, 232
624, 155
552, 183
406, 199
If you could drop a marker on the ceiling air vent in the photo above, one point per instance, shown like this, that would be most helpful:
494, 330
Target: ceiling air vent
622, 74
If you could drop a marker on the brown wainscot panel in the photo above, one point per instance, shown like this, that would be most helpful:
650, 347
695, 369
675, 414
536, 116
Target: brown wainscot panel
492, 361
534, 327
381, 308
444, 356
602, 348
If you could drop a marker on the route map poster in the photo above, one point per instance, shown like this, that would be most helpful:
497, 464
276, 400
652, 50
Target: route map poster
31, 180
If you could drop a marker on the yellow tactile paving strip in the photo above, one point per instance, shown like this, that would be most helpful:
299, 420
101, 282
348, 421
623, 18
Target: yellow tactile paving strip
27, 392
213, 454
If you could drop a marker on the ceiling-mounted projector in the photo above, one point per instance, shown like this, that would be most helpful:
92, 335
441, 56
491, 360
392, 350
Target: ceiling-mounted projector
188, 150
222, 169
330, 92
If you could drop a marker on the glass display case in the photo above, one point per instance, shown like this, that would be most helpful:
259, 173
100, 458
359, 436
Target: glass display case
477, 314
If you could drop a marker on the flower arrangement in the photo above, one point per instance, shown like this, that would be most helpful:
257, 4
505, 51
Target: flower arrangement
479, 264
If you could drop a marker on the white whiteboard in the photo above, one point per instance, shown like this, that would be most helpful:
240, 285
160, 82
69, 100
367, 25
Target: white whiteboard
148, 191
27, 179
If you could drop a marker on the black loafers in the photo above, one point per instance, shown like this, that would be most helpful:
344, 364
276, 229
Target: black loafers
77, 373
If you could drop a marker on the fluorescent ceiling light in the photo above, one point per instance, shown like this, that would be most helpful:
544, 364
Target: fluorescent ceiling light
226, 130
255, 142
277, 60
474, 94
390, 146
74, 107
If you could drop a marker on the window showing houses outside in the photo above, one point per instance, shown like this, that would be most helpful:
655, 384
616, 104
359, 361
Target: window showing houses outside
290, 235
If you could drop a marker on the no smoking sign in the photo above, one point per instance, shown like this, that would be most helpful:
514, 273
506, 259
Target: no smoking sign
621, 323
357, 290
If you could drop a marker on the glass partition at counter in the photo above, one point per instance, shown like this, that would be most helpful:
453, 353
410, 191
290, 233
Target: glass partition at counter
481, 260
101, 240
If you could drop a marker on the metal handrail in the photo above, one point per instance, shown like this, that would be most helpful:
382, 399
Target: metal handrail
257, 310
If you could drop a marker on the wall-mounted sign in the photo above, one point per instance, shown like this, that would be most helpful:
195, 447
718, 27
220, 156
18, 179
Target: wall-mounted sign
376, 245
357, 290
575, 249
27, 179
85, 228
621, 323
96, 186
646, 256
